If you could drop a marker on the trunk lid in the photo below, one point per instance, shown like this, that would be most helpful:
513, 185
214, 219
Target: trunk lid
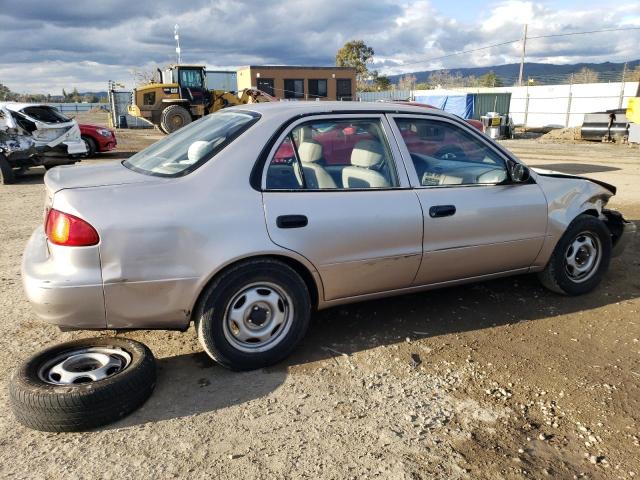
87, 176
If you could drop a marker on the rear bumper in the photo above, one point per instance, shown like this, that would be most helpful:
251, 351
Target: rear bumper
75, 147
64, 284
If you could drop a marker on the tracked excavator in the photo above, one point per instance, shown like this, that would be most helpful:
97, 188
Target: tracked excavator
182, 96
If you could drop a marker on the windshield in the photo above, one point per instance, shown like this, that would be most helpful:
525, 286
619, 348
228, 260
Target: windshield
191, 146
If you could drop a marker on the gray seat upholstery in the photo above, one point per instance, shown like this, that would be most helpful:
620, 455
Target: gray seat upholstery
367, 156
315, 175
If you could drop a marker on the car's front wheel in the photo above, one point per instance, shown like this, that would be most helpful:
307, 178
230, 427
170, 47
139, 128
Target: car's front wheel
580, 259
253, 315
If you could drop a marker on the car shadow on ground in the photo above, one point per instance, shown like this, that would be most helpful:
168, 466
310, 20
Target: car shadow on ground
577, 168
193, 384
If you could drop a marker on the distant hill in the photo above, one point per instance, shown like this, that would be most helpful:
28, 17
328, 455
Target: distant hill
542, 73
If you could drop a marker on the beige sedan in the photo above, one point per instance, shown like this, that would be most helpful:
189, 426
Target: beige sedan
249, 219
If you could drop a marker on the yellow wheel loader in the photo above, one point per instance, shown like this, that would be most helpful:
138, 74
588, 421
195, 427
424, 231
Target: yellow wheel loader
182, 96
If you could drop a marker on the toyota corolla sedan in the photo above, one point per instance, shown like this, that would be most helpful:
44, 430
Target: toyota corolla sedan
240, 224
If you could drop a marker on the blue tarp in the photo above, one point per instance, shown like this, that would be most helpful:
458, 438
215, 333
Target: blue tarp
461, 105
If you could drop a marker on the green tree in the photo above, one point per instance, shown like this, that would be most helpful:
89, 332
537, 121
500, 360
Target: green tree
356, 54
6, 94
381, 82
490, 79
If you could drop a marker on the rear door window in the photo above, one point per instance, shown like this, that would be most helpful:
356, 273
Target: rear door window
333, 154
45, 114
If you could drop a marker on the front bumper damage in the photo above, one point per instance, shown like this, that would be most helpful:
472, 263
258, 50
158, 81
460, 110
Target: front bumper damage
622, 231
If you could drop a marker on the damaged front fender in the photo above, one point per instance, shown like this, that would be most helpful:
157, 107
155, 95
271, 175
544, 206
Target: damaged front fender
622, 231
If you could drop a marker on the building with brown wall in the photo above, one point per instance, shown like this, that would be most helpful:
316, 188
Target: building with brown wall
300, 83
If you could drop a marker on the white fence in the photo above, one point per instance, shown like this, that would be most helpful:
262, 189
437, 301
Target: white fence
545, 106
556, 106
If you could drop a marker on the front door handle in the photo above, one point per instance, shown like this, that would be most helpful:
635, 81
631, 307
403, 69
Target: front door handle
292, 221
442, 211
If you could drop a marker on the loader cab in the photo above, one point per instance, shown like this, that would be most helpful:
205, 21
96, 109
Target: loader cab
191, 80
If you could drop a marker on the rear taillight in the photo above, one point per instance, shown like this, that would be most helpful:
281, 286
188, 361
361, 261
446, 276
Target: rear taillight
65, 229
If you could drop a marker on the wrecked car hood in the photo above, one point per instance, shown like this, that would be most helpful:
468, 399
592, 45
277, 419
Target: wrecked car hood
551, 173
87, 176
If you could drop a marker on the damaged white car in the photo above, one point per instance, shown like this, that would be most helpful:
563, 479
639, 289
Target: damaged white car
56, 138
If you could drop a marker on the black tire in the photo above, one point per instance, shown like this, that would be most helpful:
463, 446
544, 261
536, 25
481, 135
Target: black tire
211, 313
556, 277
7, 176
91, 146
173, 118
52, 407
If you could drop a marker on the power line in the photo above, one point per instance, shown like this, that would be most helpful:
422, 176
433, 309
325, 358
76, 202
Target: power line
623, 29
509, 42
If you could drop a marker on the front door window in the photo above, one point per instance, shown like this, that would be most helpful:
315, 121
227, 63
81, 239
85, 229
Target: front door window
445, 154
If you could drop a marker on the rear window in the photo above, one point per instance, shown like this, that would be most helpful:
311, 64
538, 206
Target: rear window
191, 146
45, 114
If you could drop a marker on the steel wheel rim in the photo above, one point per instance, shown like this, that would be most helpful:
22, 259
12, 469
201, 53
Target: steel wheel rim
582, 257
258, 317
84, 365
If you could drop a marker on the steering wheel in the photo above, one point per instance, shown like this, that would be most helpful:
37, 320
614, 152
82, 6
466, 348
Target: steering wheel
450, 152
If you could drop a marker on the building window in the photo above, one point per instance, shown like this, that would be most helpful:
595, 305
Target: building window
317, 88
343, 89
266, 85
293, 88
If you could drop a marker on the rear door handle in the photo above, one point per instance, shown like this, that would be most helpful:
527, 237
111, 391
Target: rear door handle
292, 221
442, 211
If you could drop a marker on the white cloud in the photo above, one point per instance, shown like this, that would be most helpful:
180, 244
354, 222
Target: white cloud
47, 46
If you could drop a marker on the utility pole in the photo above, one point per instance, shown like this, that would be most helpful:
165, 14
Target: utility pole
176, 35
524, 47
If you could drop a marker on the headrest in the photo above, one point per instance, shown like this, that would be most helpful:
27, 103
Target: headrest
199, 149
367, 153
310, 151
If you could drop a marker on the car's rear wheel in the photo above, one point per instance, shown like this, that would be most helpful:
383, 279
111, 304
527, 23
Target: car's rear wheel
6, 171
82, 384
173, 118
580, 259
253, 315
90, 145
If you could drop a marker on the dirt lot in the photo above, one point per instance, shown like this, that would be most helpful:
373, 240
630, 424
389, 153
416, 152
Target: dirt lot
511, 381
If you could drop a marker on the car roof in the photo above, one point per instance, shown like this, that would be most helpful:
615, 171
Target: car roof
310, 107
17, 106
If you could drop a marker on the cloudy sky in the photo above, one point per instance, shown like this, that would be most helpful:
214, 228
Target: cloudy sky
49, 45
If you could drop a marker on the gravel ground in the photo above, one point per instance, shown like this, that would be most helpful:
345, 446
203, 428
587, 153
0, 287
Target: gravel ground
493, 380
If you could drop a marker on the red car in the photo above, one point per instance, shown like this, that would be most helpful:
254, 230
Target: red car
337, 143
97, 139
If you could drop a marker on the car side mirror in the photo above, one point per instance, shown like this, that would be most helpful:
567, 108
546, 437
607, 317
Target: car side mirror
519, 173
